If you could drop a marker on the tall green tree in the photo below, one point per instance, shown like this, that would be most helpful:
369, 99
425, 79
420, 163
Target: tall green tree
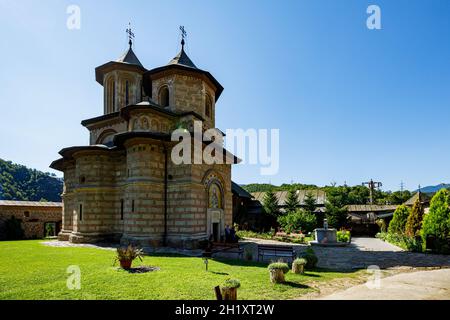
292, 202
270, 204
414, 221
310, 202
398, 222
437, 222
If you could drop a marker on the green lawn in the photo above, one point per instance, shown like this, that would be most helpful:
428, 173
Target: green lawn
30, 270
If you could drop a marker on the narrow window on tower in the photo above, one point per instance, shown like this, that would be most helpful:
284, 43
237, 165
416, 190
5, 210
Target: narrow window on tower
113, 103
208, 106
121, 209
132, 206
80, 213
127, 95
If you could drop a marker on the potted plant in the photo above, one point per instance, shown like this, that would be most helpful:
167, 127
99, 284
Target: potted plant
298, 266
126, 256
229, 289
277, 271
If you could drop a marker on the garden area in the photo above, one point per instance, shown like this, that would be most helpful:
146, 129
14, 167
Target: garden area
413, 230
31, 270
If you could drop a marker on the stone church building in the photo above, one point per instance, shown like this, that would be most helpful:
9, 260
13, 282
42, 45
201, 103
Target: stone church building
123, 186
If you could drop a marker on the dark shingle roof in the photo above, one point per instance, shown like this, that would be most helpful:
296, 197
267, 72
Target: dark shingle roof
182, 59
130, 58
238, 190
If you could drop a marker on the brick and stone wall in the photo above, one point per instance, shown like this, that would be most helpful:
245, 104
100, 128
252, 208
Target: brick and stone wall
33, 218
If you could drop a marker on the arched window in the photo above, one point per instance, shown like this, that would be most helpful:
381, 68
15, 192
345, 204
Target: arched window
208, 106
164, 96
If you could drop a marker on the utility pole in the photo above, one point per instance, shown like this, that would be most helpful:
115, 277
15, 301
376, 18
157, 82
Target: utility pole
401, 188
372, 185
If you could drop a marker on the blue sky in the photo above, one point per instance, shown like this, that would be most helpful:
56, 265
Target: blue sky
351, 103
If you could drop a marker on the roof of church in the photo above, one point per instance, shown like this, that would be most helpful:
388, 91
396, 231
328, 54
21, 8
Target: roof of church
130, 58
182, 59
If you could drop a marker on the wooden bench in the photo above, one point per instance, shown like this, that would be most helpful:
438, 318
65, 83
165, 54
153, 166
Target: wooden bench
228, 247
276, 251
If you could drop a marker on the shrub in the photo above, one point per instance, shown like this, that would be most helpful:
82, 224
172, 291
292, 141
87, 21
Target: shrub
382, 224
298, 220
343, 236
398, 222
402, 241
414, 221
311, 258
436, 224
279, 266
231, 284
300, 261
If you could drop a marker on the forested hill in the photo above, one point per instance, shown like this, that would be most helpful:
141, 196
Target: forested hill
18, 182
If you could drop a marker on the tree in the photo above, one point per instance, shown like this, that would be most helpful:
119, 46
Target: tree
337, 217
414, 221
310, 202
398, 222
436, 223
270, 204
336, 211
292, 202
298, 220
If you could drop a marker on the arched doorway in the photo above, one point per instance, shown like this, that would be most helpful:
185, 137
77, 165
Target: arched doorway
215, 214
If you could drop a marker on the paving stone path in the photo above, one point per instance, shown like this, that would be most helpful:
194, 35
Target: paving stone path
420, 285
362, 253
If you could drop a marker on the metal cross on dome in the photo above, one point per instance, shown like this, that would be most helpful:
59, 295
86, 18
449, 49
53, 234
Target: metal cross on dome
183, 35
130, 34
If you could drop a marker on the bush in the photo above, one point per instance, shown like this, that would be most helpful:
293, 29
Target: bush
298, 220
300, 261
231, 284
398, 222
343, 236
403, 241
414, 221
279, 266
311, 258
436, 224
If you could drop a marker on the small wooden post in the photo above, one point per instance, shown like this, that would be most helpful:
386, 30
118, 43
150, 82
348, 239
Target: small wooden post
218, 293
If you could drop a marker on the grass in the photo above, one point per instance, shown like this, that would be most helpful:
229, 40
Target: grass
30, 270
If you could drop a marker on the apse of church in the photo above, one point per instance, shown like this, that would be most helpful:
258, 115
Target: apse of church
124, 186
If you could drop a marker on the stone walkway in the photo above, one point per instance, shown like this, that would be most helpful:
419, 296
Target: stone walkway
362, 253
421, 285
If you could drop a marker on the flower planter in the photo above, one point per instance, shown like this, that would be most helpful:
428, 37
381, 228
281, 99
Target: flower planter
229, 293
126, 264
276, 276
298, 268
